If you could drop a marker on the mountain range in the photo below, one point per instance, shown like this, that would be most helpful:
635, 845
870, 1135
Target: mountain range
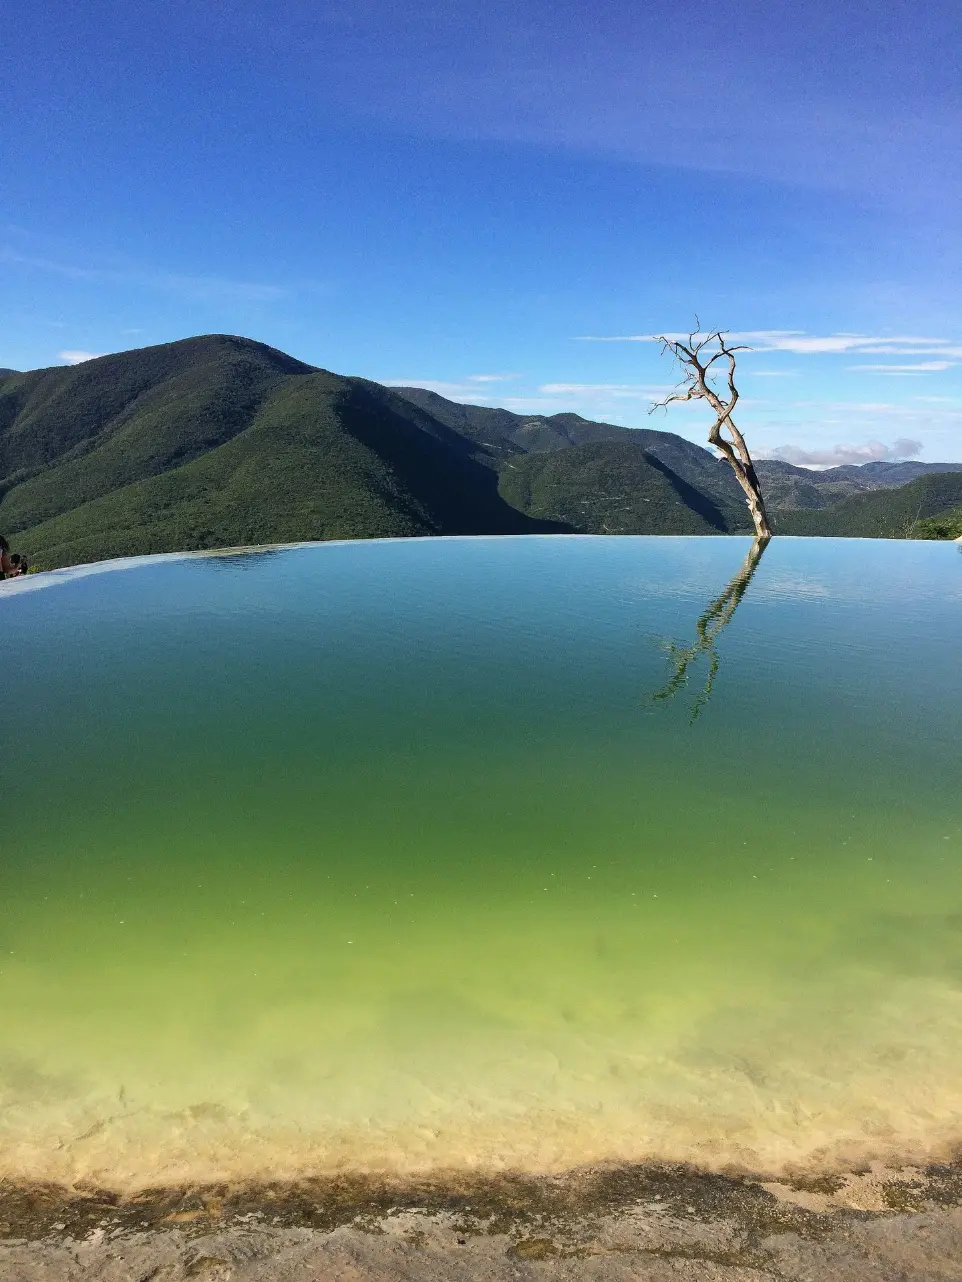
904, 512
220, 441
788, 487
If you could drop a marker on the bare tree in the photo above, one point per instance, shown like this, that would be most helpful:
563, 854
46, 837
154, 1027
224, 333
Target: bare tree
708, 629
696, 358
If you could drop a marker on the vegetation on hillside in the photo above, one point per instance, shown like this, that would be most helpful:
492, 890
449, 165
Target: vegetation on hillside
788, 487
879, 514
610, 487
68, 436
507, 435
946, 526
220, 441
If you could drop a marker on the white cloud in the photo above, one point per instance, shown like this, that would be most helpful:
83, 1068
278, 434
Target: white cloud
919, 368
943, 349
469, 393
590, 399
74, 356
492, 378
814, 424
870, 452
631, 391
550, 398
800, 343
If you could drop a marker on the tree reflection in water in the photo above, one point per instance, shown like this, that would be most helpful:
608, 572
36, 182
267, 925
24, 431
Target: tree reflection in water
708, 629
243, 558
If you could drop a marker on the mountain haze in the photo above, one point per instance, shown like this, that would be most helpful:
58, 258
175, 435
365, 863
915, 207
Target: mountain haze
785, 485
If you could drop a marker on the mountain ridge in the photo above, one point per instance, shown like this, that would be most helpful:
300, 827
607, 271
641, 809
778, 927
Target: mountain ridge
788, 486
536, 433
220, 440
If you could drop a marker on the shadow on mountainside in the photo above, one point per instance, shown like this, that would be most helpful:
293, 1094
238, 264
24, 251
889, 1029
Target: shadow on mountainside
697, 500
460, 492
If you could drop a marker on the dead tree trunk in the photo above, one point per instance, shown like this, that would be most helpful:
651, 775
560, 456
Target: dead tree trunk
696, 357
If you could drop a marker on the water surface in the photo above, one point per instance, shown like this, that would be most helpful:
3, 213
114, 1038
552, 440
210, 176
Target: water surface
383, 856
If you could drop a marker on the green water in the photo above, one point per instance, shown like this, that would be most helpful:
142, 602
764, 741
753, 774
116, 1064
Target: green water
383, 856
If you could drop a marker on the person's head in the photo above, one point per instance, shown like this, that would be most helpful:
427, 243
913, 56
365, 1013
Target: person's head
19, 563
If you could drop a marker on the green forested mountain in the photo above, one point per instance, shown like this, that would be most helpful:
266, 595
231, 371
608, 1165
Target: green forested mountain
508, 435
616, 487
879, 514
217, 441
947, 525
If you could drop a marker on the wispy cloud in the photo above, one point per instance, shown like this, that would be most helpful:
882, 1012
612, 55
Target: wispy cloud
470, 393
801, 343
870, 452
74, 356
492, 378
920, 367
619, 391
620, 403
194, 288
816, 423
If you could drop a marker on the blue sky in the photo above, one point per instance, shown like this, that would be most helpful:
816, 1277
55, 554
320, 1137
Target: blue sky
503, 201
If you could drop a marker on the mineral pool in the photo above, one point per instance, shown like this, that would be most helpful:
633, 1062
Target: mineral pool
509, 853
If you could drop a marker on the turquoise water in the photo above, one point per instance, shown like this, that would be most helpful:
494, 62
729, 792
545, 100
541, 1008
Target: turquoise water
385, 856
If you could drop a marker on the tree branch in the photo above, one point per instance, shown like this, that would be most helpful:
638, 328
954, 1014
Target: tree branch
695, 374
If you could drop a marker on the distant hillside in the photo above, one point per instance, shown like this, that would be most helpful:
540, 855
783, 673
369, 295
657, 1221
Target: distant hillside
786, 486
948, 525
512, 433
507, 435
220, 440
615, 487
879, 514
5, 372
889, 474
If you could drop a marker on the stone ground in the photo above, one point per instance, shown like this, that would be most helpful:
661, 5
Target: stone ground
612, 1223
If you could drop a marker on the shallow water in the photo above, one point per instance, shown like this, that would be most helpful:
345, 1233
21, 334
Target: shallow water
383, 856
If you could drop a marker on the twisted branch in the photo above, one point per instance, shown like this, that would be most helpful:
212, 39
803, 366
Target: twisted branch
696, 372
